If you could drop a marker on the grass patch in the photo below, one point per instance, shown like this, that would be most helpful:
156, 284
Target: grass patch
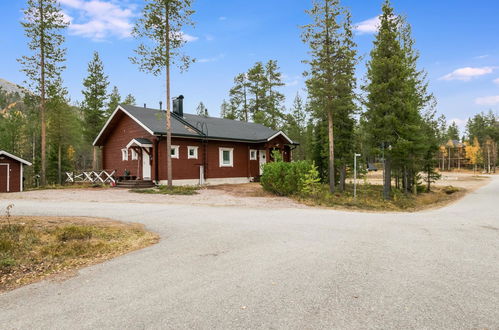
166, 190
32, 248
83, 185
370, 197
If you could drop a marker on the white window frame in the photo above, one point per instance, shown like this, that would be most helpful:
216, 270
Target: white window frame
176, 153
124, 154
135, 155
253, 154
231, 156
195, 156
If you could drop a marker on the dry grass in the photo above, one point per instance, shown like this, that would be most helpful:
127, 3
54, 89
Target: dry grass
32, 248
166, 190
242, 190
370, 197
83, 185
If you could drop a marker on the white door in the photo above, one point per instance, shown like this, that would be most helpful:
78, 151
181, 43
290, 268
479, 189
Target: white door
146, 166
262, 159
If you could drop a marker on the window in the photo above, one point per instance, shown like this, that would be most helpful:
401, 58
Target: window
124, 154
175, 151
253, 154
192, 152
135, 155
226, 157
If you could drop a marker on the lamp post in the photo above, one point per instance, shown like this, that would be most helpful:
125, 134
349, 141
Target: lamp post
355, 174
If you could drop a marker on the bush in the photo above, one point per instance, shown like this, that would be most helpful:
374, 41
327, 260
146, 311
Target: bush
449, 190
285, 179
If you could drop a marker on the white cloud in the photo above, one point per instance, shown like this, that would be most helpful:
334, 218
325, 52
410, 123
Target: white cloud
211, 59
99, 19
461, 123
188, 37
481, 57
291, 81
468, 73
496, 81
368, 26
487, 100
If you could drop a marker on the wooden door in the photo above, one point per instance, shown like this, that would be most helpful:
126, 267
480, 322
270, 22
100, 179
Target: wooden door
4, 177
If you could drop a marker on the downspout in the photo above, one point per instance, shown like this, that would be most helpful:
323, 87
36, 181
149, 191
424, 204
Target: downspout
156, 160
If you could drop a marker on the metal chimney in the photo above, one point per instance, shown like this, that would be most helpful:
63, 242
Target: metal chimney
160, 105
178, 105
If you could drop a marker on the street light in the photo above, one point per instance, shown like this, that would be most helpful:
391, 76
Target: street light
355, 174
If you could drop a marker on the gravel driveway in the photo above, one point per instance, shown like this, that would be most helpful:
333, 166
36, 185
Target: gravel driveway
279, 268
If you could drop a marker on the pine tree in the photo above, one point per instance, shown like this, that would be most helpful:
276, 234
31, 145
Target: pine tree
114, 101
227, 111
239, 98
201, 110
93, 106
64, 126
331, 80
453, 132
257, 85
296, 127
273, 114
129, 100
43, 25
161, 25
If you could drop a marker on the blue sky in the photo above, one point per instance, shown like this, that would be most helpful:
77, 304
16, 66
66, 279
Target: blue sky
457, 40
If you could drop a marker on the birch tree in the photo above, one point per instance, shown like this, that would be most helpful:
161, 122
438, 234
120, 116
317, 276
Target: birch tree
43, 25
160, 29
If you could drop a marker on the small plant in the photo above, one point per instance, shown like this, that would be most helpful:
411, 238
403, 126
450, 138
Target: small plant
7, 213
311, 183
449, 190
71, 233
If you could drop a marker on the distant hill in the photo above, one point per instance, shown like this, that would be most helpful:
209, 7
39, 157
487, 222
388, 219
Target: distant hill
9, 87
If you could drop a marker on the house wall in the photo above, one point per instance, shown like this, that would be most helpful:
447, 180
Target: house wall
14, 174
124, 130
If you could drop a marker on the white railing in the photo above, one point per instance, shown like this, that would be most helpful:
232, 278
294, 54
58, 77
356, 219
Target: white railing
90, 176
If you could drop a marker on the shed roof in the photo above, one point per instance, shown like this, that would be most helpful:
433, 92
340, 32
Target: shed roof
20, 160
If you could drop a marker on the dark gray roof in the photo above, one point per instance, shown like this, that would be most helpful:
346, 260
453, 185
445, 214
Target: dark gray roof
143, 141
199, 126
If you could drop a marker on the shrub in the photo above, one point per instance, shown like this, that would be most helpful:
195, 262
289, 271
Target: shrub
284, 179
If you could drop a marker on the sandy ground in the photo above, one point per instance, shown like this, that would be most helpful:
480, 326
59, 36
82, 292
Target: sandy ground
243, 195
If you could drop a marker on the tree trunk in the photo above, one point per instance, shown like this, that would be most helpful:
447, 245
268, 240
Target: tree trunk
59, 164
449, 160
387, 184
331, 152
168, 116
43, 142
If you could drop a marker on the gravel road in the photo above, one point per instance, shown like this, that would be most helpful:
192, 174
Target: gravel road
258, 268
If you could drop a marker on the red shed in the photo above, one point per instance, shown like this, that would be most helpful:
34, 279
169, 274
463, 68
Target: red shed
11, 172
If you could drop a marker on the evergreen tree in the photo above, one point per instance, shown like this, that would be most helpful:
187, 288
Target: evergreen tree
453, 132
257, 88
114, 101
93, 107
239, 99
64, 128
296, 128
273, 114
161, 25
201, 110
331, 80
227, 111
129, 100
43, 25
396, 93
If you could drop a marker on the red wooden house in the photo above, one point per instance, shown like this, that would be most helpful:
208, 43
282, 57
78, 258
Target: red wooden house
11, 172
204, 149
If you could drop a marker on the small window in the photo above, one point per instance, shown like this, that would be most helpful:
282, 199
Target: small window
135, 155
253, 154
175, 151
192, 152
124, 154
226, 157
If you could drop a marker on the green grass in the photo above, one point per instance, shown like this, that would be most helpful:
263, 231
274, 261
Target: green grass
370, 197
31, 248
166, 190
